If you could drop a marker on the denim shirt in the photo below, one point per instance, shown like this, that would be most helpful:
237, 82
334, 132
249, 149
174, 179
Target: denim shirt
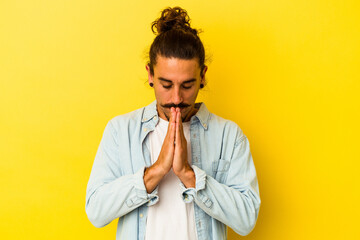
226, 191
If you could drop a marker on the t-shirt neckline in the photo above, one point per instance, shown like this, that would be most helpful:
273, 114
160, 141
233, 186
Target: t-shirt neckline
163, 122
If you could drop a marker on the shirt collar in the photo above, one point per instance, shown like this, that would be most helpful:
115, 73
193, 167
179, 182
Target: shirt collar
202, 114
149, 112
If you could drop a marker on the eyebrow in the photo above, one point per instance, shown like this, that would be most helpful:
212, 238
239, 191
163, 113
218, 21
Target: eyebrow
169, 81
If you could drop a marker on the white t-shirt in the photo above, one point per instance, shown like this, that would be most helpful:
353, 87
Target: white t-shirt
171, 217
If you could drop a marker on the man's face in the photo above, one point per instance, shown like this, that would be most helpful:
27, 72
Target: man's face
176, 84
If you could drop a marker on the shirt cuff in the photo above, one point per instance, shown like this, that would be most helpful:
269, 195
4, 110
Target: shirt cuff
141, 193
188, 194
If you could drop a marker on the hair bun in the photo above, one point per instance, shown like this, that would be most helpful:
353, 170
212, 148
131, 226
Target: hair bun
172, 18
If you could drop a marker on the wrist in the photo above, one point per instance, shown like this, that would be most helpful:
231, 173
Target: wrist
158, 170
152, 177
187, 177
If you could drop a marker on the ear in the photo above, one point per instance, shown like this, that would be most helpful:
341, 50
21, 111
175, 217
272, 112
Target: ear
203, 75
150, 76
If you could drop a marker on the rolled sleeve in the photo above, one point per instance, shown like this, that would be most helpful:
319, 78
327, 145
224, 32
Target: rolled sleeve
111, 194
188, 194
141, 193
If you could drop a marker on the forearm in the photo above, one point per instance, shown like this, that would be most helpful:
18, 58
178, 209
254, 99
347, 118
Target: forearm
187, 177
236, 206
114, 199
152, 177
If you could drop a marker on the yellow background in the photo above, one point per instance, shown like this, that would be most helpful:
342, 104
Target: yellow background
286, 71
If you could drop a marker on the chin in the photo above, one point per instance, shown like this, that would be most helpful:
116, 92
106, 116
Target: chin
185, 112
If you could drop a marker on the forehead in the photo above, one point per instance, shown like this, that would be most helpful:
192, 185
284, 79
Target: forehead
176, 69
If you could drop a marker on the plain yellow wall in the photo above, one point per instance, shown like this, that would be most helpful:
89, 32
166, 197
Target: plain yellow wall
286, 71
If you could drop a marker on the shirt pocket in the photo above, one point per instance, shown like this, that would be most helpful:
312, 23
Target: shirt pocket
220, 169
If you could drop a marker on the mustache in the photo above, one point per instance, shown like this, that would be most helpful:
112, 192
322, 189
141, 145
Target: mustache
170, 105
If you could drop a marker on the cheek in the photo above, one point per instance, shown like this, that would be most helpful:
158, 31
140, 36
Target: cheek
191, 95
162, 95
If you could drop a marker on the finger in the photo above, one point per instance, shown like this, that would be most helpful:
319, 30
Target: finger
173, 122
180, 123
173, 118
177, 114
178, 133
181, 129
172, 115
170, 135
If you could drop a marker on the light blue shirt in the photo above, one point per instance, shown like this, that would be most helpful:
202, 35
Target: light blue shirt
226, 191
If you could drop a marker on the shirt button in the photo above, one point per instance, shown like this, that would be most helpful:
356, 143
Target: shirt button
155, 117
194, 135
141, 215
205, 125
145, 129
145, 119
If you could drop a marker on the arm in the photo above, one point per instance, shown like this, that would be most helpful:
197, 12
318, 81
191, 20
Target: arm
236, 202
110, 194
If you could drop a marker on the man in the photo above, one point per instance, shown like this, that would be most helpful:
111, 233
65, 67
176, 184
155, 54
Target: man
173, 170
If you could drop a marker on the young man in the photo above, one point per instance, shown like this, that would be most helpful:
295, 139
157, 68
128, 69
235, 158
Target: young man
173, 170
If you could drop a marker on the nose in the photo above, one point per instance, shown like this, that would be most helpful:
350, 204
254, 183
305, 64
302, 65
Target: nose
176, 96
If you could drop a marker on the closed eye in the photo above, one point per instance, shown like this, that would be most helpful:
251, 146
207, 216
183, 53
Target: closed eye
183, 86
167, 87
